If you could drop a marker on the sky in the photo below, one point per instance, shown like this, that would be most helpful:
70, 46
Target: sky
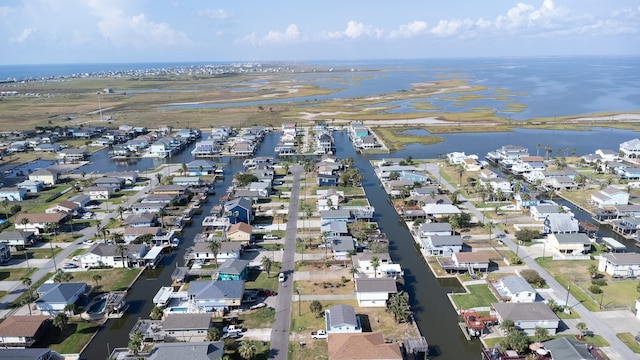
126, 31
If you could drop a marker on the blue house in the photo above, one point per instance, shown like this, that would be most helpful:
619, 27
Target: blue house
233, 270
32, 186
415, 177
12, 193
327, 180
210, 296
239, 210
200, 167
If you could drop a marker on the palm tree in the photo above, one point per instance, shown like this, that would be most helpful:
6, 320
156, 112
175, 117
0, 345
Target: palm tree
162, 212
159, 177
69, 309
183, 168
122, 250
538, 149
214, 246
26, 281
460, 171
354, 271
62, 277
117, 238
24, 221
266, 263
120, 211
541, 334
4, 204
60, 321
325, 241
374, 261
247, 349
96, 278
582, 327
489, 226
135, 342
316, 308
213, 334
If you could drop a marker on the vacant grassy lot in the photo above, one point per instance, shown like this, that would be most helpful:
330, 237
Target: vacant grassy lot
479, 296
74, 337
15, 274
112, 279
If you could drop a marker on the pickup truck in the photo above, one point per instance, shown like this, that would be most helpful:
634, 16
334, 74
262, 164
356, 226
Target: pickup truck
320, 334
232, 329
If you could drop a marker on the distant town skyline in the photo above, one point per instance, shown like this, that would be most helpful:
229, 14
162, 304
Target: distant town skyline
121, 31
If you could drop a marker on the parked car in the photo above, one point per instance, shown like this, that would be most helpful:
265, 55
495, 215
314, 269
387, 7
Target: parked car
232, 335
69, 266
271, 237
282, 277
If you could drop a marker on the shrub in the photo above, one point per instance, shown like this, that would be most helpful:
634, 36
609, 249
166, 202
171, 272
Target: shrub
595, 289
527, 234
532, 277
599, 282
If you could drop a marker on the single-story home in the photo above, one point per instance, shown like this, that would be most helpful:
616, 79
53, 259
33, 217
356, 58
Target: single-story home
233, 269
18, 238
620, 264
240, 232
342, 319
195, 350
527, 316
103, 255
53, 297
37, 222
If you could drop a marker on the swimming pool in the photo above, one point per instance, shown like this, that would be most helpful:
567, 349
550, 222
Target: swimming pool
179, 309
97, 307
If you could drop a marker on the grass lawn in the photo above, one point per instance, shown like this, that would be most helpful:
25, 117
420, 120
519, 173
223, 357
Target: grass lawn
259, 279
76, 335
15, 274
112, 279
479, 295
257, 319
328, 287
629, 340
37, 253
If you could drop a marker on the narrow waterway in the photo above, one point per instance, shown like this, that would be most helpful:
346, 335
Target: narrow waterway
115, 332
435, 316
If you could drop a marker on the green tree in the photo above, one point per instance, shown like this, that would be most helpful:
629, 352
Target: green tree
582, 327
374, 261
135, 343
266, 263
123, 251
527, 234
120, 212
62, 277
489, 226
515, 340
69, 309
5, 204
213, 334
183, 168
243, 179
156, 314
60, 321
247, 349
541, 334
26, 281
97, 278
215, 246
316, 308
592, 269
162, 213
354, 271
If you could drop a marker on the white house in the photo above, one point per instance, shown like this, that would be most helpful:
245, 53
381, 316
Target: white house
631, 148
37, 222
103, 255
514, 289
386, 267
527, 316
229, 250
441, 245
610, 196
98, 192
620, 264
13, 193
374, 292
342, 319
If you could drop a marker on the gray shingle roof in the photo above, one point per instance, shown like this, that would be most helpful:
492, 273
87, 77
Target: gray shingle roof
567, 349
188, 350
233, 266
516, 284
206, 290
186, 322
342, 315
525, 311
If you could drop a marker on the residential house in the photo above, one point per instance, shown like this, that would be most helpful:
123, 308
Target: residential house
239, 210
526, 201
233, 269
103, 255
370, 346
201, 167
327, 180
82, 200
608, 155
158, 198
289, 128
434, 229
441, 245
243, 148
527, 316
18, 238
627, 225
560, 223
53, 297
568, 348
129, 177
66, 207
624, 265
23, 331
27, 354
72, 154
342, 319
12, 194
98, 192
47, 148
184, 327
32, 186
437, 211
147, 208
374, 292
141, 220
471, 261
576, 244
386, 267
112, 182
471, 164
47, 176
629, 173
542, 211
513, 289
132, 233
209, 296
229, 250
342, 247
37, 222
334, 228
195, 181
630, 149
240, 232
559, 183
486, 174
610, 196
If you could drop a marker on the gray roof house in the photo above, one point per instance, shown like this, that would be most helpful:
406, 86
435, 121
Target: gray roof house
342, 246
374, 292
55, 296
14, 238
527, 316
514, 289
561, 223
185, 326
187, 350
443, 245
566, 348
342, 319
216, 295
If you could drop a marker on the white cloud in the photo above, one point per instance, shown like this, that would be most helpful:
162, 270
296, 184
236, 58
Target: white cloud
216, 14
5, 10
289, 36
24, 36
412, 29
354, 30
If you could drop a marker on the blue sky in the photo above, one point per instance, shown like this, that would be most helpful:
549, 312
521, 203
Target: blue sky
116, 31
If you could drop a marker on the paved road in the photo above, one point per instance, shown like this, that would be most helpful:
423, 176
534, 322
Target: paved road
617, 349
280, 330
44, 268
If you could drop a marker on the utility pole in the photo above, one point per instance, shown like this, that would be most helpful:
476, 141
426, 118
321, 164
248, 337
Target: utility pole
566, 303
299, 311
99, 105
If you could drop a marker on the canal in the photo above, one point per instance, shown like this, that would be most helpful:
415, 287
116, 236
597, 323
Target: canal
115, 332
